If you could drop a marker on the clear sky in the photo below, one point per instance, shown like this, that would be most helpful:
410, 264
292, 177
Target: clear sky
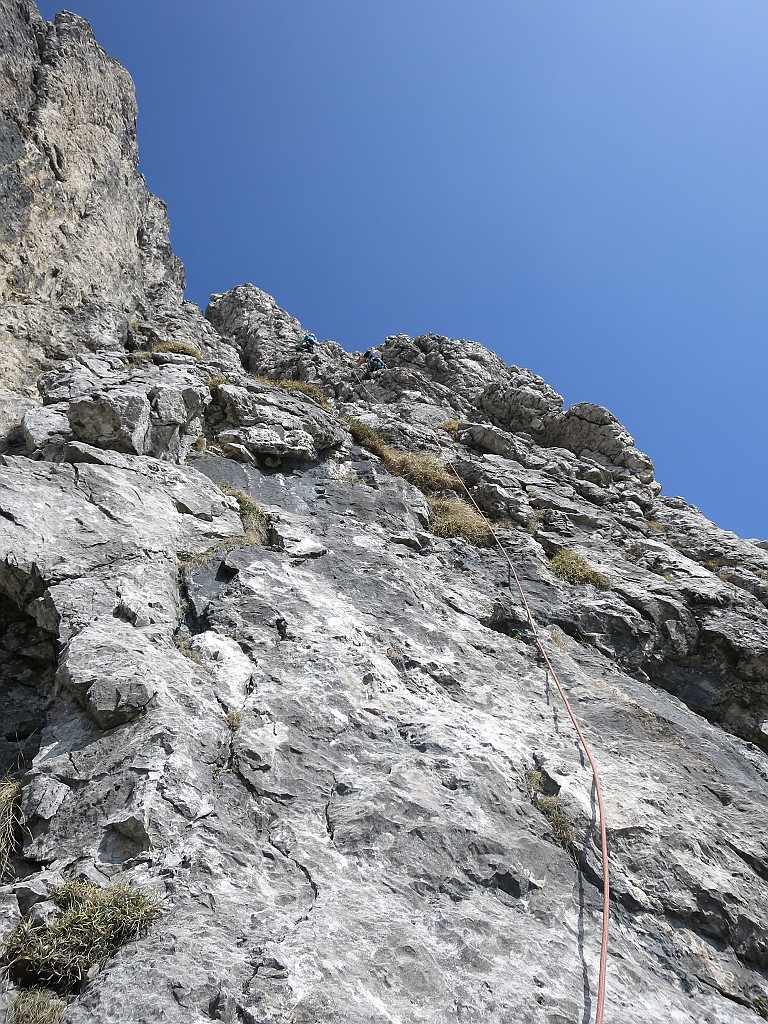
580, 185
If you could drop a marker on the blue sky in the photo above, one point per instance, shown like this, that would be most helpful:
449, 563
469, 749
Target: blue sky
580, 185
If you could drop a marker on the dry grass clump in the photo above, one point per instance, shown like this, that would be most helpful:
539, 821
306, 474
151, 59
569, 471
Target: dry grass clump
255, 525
36, 1006
426, 472
183, 348
367, 437
254, 518
452, 517
204, 558
451, 427
11, 821
534, 783
572, 567
548, 804
234, 720
397, 656
654, 523
215, 380
559, 822
91, 927
183, 643
634, 552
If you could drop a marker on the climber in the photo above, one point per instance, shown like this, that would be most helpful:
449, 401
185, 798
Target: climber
308, 344
374, 361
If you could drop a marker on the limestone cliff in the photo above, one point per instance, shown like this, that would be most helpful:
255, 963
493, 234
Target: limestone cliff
247, 667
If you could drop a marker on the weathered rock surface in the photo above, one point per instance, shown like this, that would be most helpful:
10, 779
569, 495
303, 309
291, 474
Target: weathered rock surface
251, 419
85, 260
163, 405
326, 752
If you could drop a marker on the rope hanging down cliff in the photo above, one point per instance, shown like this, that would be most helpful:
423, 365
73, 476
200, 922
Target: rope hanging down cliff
571, 715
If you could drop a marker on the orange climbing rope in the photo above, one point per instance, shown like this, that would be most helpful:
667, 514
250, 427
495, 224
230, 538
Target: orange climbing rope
577, 727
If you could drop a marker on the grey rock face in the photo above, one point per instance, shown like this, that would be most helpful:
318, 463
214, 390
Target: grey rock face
591, 431
337, 756
164, 405
143, 409
263, 333
522, 402
252, 419
84, 253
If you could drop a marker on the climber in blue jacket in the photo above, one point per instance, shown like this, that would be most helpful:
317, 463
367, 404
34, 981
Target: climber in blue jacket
308, 344
373, 360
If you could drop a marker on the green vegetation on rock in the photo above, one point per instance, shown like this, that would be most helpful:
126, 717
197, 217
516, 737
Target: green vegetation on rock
92, 924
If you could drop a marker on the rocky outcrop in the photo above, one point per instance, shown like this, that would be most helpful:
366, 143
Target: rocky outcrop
85, 256
163, 404
330, 744
264, 334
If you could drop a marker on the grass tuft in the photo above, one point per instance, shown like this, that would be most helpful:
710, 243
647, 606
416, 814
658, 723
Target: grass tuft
397, 656
183, 642
234, 720
254, 518
452, 517
255, 524
450, 427
761, 1006
36, 1006
184, 348
426, 472
92, 925
367, 437
548, 804
11, 821
654, 523
204, 558
573, 568
559, 822
301, 387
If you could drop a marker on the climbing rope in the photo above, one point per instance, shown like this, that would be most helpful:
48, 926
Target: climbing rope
572, 716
